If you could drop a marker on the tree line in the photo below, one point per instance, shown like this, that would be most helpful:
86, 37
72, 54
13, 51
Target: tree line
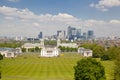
36, 49
67, 49
10, 45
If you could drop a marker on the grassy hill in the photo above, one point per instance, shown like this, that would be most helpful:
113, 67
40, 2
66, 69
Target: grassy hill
32, 67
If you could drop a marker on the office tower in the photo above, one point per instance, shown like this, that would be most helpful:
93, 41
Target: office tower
58, 32
84, 36
90, 34
61, 35
78, 33
71, 32
40, 35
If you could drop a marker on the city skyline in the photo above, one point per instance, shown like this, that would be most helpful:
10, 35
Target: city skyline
29, 17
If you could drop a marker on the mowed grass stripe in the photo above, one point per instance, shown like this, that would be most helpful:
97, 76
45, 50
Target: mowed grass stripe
31, 67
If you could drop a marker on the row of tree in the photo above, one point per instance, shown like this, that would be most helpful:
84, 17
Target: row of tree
10, 45
1, 57
36, 49
67, 49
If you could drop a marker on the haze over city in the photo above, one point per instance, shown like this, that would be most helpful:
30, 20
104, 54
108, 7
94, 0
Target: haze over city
29, 17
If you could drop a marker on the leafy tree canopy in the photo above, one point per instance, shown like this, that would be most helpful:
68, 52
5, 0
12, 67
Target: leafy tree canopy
89, 69
1, 57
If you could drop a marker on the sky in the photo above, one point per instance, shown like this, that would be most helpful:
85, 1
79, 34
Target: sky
29, 17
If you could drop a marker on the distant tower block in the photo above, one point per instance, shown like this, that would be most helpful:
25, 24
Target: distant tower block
42, 42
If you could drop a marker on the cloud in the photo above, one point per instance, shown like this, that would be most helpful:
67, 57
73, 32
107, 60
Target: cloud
115, 21
9, 18
104, 5
13, 0
24, 22
36, 24
20, 13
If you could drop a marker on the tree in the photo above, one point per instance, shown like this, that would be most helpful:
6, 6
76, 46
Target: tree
105, 57
1, 56
89, 69
98, 51
113, 52
117, 67
23, 49
37, 49
88, 46
31, 49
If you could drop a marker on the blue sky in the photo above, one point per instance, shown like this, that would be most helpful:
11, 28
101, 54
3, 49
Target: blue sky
78, 13
77, 8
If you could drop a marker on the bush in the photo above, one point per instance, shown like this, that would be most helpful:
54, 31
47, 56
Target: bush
117, 68
89, 69
1, 57
105, 57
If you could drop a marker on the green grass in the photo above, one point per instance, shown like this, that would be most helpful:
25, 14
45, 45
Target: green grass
32, 67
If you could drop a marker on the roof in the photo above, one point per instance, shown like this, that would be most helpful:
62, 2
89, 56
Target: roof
6, 49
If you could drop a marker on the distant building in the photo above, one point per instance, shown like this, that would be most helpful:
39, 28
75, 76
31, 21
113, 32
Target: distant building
61, 35
78, 33
84, 37
75, 34
19, 38
40, 35
71, 32
85, 52
33, 45
90, 34
50, 52
10, 52
72, 45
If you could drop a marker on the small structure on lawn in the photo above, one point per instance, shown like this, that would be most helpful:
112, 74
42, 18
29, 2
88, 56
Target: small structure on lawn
85, 52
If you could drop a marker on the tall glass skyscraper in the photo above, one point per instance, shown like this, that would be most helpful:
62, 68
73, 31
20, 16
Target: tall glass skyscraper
40, 35
90, 34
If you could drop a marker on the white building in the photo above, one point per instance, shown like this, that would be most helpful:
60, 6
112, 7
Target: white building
50, 52
85, 52
72, 45
10, 52
33, 45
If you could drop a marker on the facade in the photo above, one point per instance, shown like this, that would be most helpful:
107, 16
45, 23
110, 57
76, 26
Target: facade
50, 52
85, 52
40, 35
72, 45
75, 34
61, 35
10, 52
71, 33
90, 34
33, 45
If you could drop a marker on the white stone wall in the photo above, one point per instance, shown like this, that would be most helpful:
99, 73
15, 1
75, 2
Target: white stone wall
53, 52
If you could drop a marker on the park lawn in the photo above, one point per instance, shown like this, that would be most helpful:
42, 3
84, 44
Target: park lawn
32, 67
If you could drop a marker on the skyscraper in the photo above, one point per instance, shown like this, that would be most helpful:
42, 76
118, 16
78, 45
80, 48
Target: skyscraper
40, 35
84, 36
61, 35
71, 32
90, 34
78, 33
